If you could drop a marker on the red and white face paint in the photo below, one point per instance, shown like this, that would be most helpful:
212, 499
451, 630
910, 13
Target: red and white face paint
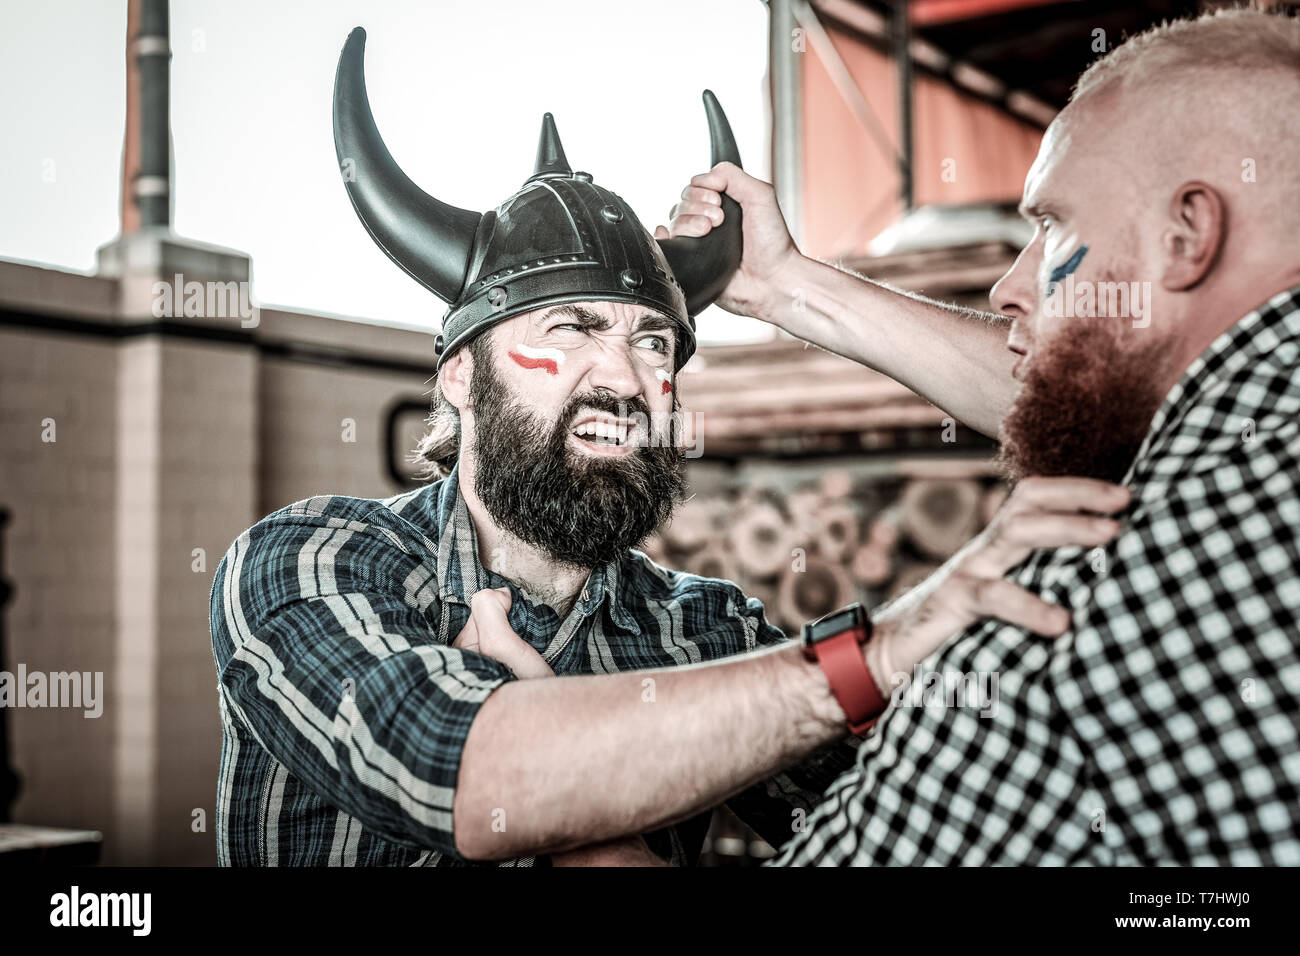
525, 356
666, 379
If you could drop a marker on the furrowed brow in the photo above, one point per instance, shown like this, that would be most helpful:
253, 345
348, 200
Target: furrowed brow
581, 316
654, 322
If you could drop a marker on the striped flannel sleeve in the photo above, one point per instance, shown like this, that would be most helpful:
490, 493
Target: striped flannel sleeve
776, 808
326, 630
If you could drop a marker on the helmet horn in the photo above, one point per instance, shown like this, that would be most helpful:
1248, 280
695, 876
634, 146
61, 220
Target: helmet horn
551, 160
704, 265
429, 239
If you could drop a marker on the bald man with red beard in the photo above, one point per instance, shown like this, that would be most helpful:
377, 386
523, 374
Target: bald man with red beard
1162, 727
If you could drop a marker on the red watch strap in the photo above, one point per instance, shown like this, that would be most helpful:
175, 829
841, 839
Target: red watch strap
850, 679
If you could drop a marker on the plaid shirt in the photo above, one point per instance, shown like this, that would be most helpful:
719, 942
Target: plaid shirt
1163, 728
344, 708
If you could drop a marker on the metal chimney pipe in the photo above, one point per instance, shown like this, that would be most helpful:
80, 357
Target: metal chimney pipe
151, 47
902, 43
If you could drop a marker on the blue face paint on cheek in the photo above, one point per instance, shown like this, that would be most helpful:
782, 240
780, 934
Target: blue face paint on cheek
1065, 268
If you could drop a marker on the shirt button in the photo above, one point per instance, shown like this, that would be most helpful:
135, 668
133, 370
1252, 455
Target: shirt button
585, 595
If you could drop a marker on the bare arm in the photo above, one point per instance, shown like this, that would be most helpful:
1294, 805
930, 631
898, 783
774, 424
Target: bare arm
502, 644
568, 761
577, 760
955, 358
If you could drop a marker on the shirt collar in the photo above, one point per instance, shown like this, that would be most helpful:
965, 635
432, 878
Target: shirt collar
460, 574
1257, 333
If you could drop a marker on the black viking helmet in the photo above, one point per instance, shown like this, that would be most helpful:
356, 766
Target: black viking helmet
561, 238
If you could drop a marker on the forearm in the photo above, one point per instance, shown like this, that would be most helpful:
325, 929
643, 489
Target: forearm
956, 358
569, 761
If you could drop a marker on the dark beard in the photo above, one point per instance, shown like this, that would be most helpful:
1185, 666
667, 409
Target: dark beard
1084, 408
581, 511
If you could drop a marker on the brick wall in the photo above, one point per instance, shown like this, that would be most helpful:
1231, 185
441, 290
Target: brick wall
168, 444
62, 497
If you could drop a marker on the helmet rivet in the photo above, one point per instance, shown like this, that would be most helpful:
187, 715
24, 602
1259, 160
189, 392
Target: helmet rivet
611, 213
497, 296
438, 343
631, 278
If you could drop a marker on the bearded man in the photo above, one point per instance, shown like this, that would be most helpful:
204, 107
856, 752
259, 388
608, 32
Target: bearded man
1164, 727
483, 669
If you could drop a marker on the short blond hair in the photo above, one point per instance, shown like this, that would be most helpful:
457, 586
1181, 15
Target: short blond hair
1237, 38
1204, 95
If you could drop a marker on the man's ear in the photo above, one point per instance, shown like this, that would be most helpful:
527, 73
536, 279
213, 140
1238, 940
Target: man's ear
454, 378
1191, 242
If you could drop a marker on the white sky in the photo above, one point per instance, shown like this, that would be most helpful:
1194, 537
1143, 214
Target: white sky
458, 89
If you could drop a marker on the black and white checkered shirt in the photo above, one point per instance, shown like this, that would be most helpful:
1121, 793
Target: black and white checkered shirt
1164, 728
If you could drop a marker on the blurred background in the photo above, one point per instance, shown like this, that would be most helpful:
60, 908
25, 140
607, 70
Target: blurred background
144, 140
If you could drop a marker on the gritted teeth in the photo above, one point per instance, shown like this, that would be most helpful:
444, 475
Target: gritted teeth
608, 432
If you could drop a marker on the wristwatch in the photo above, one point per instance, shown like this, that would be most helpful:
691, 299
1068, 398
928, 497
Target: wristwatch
835, 641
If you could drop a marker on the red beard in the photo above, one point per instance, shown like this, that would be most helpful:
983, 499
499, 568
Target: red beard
1084, 407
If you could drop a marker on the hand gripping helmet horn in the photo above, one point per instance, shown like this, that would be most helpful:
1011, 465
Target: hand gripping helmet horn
560, 238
